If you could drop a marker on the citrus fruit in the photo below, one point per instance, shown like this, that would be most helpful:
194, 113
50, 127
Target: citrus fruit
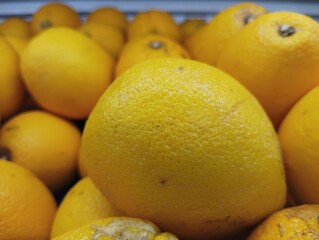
299, 136
116, 228
12, 95
66, 72
189, 26
153, 22
109, 16
45, 144
54, 15
16, 27
82, 204
207, 43
184, 145
27, 207
148, 47
277, 58
19, 44
299, 222
109, 38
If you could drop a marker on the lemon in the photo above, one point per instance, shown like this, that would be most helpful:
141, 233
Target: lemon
184, 145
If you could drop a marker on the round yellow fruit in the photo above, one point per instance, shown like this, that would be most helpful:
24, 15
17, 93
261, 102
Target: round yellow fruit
299, 136
16, 27
82, 204
153, 22
184, 145
211, 40
27, 207
109, 16
54, 14
66, 72
45, 144
276, 57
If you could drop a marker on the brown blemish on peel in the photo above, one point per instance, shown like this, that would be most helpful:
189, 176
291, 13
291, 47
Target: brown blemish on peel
5, 153
46, 24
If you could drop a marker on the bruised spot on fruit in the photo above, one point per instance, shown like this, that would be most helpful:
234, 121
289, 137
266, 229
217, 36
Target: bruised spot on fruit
234, 109
5, 153
217, 221
88, 34
281, 230
154, 31
124, 229
180, 68
231, 222
10, 128
46, 24
163, 181
303, 215
156, 44
285, 30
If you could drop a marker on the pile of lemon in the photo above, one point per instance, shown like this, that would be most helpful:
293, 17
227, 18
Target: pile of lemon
157, 130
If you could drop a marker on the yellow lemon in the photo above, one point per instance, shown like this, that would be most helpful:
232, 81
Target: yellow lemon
27, 207
45, 144
208, 42
109, 16
16, 27
66, 72
153, 22
54, 15
299, 136
276, 57
184, 145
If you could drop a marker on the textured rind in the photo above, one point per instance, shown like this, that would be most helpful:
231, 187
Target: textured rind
209, 42
186, 146
277, 70
299, 222
113, 228
66, 72
299, 137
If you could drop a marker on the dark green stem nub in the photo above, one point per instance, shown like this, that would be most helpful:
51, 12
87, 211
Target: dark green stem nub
285, 30
156, 44
248, 18
46, 24
5, 153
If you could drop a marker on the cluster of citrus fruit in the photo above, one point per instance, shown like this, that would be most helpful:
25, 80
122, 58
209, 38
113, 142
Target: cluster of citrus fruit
153, 129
